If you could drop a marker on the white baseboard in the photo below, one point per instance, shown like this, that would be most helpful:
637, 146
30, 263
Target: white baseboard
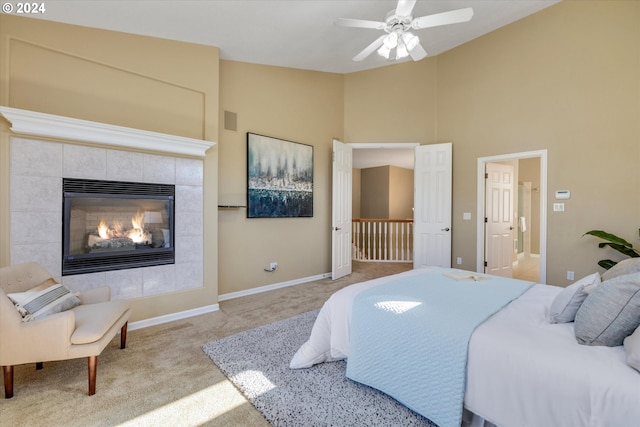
266, 288
171, 317
215, 307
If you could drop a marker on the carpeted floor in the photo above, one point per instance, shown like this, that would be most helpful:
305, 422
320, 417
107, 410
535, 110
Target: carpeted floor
163, 378
257, 362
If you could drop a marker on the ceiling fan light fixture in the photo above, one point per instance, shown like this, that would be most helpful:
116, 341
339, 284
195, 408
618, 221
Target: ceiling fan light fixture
410, 40
401, 51
391, 41
384, 51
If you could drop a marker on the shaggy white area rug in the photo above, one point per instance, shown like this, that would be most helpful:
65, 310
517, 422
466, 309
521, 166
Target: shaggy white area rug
257, 362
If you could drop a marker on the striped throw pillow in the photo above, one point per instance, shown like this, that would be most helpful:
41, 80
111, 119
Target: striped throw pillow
38, 303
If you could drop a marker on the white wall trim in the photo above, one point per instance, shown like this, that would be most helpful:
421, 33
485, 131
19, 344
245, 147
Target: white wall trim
25, 122
215, 307
542, 154
172, 317
266, 288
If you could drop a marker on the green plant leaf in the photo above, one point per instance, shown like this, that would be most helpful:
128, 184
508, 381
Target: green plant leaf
609, 237
606, 263
630, 252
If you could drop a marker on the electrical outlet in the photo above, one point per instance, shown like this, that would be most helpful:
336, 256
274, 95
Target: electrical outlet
273, 266
459, 260
569, 275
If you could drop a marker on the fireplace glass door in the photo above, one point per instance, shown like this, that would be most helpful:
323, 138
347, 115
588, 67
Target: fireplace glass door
111, 225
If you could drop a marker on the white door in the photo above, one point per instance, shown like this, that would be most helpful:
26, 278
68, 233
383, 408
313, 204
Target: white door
341, 210
432, 205
499, 181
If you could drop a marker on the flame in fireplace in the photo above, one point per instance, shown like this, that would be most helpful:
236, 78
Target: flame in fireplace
103, 230
137, 233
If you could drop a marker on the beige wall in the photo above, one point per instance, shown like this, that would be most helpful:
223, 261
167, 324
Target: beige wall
529, 171
400, 193
119, 79
300, 106
374, 192
566, 79
356, 184
385, 192
392, 104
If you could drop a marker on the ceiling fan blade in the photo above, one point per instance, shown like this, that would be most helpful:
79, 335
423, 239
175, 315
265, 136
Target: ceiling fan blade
444, 18
418, 53
405, 7
359, 23
370, 49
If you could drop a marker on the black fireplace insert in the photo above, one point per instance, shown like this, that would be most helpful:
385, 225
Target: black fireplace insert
115, 225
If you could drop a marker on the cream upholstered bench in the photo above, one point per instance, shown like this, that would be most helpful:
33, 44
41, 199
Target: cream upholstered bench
41, 321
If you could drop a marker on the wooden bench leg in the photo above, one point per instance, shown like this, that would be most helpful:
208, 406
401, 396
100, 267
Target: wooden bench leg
8, 381
93, 367
123, 335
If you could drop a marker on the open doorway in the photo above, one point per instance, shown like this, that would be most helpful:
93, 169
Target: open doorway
528, 217
383, 201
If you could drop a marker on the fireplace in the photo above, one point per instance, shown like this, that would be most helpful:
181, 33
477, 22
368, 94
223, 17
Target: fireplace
114, 225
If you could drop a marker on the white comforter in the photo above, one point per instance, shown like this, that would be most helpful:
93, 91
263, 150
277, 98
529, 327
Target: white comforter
521, 370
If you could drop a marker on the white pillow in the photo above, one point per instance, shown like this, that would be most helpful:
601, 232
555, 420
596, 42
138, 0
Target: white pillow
632, 347
566, 304
43, 300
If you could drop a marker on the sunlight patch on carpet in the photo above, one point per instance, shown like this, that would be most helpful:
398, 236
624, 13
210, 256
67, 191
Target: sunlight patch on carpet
194, 409
260, 382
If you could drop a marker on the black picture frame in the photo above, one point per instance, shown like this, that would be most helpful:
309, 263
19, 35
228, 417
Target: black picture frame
279, 178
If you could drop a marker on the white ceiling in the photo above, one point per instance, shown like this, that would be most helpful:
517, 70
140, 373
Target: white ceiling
289, 33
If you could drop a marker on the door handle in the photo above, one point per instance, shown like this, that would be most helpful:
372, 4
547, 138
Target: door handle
445, 229
337, 228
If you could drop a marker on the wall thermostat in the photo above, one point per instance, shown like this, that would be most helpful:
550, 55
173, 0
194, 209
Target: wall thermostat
563, 194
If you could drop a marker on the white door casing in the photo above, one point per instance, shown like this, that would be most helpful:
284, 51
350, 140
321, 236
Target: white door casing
341, 210
499, 219
480, 204
432, 205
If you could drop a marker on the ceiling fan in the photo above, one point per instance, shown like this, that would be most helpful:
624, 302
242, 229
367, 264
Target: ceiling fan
396, 26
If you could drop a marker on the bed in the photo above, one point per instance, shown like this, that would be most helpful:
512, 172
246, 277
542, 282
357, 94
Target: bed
521, 370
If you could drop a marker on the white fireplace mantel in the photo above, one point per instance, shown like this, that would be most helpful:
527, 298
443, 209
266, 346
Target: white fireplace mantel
24, 122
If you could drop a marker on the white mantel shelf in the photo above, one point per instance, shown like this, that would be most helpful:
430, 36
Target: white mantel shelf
24, 122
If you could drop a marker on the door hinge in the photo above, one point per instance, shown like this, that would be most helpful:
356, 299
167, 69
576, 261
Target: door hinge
486, 219
485, 264
486, 175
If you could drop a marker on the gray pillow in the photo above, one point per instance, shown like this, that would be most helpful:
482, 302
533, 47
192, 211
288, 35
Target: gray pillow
632, 347
610, 313
624, 267
566, 304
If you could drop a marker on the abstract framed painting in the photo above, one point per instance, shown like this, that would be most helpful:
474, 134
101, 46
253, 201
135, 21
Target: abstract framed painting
279, 178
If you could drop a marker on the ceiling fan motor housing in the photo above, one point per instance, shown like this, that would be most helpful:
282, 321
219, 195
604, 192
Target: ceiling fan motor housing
396, 23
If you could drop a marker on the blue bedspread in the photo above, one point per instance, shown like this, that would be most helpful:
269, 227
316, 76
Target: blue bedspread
409, 338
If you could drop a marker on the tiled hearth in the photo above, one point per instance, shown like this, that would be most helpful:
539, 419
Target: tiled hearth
37, 169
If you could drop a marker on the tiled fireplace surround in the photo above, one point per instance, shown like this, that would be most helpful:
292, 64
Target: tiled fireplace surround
37, 169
